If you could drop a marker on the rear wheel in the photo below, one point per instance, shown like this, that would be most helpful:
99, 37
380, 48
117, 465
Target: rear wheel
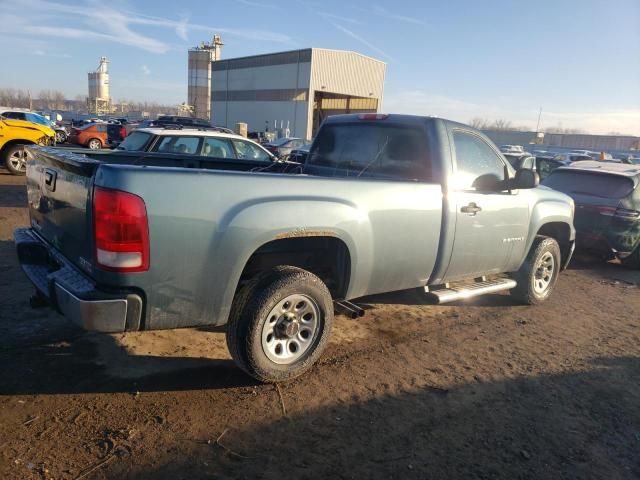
280, 323
94, 144
16, 160
539, 272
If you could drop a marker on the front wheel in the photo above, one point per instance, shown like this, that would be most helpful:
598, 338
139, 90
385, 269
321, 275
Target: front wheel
539, 272
94, 144
280, 323
61, 137
16, 160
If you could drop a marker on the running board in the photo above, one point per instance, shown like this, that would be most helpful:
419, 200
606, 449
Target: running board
452, 293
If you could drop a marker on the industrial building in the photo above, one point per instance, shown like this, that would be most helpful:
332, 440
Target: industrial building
292, 90
606, 143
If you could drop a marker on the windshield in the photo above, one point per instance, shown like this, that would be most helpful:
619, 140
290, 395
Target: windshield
135, 142
601, 185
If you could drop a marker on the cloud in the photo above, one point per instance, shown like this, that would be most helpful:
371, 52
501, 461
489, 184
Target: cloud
48, 19
419, 102
250, 3
340, 18
358, 38
383, 12
145, 70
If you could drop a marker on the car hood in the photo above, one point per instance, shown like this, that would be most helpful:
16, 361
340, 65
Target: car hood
29, 126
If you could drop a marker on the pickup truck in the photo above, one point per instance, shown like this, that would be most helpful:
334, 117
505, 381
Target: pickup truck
382, 203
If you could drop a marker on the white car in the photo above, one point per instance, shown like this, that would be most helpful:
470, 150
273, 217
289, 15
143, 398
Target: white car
206, 142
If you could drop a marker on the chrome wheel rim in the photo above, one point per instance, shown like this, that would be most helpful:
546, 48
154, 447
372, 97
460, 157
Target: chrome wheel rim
60, 137
543, 274
290, 329
18, 160
94, 144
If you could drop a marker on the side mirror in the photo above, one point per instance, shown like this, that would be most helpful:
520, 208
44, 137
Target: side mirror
488, 182
525, 178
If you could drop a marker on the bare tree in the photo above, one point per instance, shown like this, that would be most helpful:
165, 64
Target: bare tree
501, 124
479, 123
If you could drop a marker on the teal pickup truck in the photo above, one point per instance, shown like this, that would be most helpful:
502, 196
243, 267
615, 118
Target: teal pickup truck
127, 241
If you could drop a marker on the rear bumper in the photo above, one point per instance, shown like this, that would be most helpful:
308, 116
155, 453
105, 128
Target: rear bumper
71, 292
605, 244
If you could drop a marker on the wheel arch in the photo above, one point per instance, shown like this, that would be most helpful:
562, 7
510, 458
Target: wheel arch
12, 143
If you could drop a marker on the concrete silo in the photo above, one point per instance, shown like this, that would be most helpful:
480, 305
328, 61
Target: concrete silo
99, 101
199, 76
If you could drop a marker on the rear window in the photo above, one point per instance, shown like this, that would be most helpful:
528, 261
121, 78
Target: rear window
135, 142
588, 183
372, 150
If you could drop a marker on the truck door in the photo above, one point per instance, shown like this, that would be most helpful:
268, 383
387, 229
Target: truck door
491, 223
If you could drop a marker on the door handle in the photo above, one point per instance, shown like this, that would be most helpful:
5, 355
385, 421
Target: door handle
472, 208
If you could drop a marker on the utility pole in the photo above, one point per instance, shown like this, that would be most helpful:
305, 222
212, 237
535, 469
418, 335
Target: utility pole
538, 125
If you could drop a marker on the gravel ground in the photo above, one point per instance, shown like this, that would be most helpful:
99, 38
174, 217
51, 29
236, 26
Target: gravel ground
478, 389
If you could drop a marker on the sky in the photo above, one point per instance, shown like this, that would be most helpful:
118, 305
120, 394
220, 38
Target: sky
578, 60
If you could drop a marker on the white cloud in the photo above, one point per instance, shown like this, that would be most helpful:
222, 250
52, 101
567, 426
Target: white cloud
49, 19
363, 41
598, 122
383, 12
145, 70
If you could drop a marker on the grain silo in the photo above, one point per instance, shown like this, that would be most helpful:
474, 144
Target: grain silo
99, 101
199, 76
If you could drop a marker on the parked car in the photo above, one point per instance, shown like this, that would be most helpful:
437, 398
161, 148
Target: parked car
284, 146
571, 157
209, 142
175, 120
512, 149
543, 165
607, 200
98, 135
14, 135
384, 203
299, 155
61, 131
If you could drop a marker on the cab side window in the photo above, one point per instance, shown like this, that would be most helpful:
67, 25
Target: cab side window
474, 159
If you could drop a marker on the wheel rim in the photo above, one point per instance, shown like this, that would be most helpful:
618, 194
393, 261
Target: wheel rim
290, 329
60, 137
94, 144
18, 160
543, 275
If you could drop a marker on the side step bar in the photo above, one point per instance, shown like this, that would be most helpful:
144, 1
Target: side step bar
453, 293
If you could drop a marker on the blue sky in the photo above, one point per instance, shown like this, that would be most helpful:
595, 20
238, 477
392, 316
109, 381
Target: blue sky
579, 60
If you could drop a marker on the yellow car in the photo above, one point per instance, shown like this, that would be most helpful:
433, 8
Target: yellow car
14, 134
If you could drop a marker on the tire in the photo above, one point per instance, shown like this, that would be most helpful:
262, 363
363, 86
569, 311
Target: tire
261, 320
61, 137
15, 159
539, 272
633, 260
94, 144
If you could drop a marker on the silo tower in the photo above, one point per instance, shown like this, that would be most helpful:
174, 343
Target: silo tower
99, 101
199, 75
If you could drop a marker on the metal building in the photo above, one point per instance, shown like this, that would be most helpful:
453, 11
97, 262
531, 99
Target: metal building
99, 101
199, 76
294, 90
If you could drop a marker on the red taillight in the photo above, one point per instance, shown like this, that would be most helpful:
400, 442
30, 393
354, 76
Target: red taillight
123, 133
373, 116
121, 231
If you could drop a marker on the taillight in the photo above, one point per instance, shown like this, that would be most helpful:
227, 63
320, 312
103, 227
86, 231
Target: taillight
121, 231
373, 116
123, 133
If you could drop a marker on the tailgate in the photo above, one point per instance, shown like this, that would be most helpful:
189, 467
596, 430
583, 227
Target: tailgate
59, 187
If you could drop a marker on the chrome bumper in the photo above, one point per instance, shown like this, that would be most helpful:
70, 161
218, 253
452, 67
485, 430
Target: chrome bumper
72, 293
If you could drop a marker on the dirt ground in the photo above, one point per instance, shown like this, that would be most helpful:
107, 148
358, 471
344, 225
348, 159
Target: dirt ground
481, 389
